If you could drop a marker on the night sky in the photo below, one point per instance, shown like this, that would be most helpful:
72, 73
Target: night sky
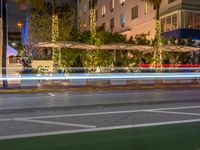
15, 14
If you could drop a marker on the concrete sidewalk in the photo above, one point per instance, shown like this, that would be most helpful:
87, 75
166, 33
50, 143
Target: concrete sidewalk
88, 99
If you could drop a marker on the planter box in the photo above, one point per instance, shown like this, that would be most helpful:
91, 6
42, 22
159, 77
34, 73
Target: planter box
170, 81
29, 83
98, 82
78, 82
185, 81
118, 82
147, 82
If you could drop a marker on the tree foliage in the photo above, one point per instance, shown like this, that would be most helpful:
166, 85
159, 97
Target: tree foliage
93, 58
40, 23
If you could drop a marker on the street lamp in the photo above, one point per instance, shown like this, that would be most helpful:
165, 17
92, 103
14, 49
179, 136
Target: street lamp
19, 24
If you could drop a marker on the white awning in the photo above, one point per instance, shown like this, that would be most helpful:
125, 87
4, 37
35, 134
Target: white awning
124, 46
66, 44
179, 48
116, 46
11, 51
76, 45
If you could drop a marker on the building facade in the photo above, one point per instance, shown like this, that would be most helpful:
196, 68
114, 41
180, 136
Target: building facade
179, 18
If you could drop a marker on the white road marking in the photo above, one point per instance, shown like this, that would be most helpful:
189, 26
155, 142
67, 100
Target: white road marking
52, 94
175, 113
99, 129
105, 113
177, 108
56, 123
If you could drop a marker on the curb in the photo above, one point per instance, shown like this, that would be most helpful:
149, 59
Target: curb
96, 88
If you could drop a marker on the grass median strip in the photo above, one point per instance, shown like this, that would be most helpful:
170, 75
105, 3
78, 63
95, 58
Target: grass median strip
170, 137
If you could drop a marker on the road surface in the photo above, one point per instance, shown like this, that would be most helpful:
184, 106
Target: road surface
27, 115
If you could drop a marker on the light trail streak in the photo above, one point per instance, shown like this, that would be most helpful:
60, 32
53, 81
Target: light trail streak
107, 76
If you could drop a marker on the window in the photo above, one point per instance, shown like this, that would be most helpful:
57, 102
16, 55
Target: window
134, 12
122, 19
84, 23
112, 5
190, 20
196, 21
103, 10
104, 25
112, 23
92, 3
162, 25
168, 23
80, 25
193, 20
171, 1
85, 8
122, 2
146, 7
80, 13
174, 21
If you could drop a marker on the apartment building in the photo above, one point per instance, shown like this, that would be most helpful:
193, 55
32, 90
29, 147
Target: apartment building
179, 18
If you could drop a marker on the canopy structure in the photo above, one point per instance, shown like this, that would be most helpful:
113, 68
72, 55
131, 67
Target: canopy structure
76, 45
179, 48
66, 44
124, 46
117, 46
175, 48
11, 51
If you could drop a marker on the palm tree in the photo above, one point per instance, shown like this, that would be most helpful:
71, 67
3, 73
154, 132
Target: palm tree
4, 14
158, 50
156, 4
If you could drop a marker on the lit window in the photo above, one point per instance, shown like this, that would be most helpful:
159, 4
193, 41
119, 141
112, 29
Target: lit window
122, 1
168, 23
163, 25
80, 25
196, 20
103, 10
112, 4
174, 21
84, 23
146, 7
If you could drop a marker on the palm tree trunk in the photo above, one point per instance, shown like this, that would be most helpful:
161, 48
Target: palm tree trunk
158, 12
158, 50
55, 34
5, 41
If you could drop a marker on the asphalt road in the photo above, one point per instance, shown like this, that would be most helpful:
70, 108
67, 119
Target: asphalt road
27, 115
77, 99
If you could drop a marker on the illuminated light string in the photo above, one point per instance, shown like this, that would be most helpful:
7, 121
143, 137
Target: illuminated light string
122, 76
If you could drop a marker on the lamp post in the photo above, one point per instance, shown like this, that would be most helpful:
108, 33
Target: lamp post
4, 14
